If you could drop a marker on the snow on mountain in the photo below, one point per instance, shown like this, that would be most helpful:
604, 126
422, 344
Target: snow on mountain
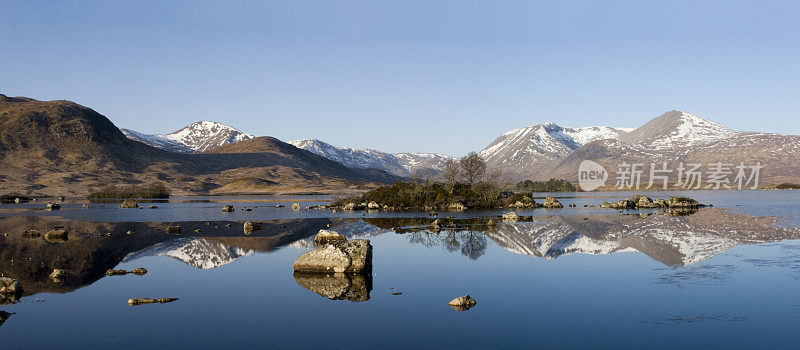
402, 164
519, 149
677, 129
157, 141
197, 252
196, 137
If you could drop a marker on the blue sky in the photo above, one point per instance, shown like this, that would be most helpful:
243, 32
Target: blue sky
407, 76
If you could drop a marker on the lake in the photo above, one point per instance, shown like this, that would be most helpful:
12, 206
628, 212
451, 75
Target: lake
724, 277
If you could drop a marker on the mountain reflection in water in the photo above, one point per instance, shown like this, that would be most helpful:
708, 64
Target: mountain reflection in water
92, 247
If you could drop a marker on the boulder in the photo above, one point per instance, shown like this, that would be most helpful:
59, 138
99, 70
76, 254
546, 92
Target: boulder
53, 206
572, 205
337, 286
58, 275
510, 217
296, 206
462, 303
373, 206
551, 202
324, 237
353, 256
349, 206
129, 204
456, 206
227, 208
250, 227
682, 202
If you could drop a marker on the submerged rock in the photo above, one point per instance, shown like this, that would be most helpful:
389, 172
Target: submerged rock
462, 303
129, 204
337, 286
349, 256
142, 301
227, 208
550, 202
510, 217
324, 237
137, 271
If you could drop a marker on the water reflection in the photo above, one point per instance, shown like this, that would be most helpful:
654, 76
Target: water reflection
94, 247
337, 286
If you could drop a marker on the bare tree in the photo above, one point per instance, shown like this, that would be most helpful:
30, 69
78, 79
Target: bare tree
473, 167
450, 174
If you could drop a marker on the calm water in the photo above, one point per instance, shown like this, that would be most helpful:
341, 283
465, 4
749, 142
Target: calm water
574, 277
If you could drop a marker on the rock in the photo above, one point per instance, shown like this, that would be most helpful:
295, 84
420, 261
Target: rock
250, 227
53, 206
373, 206
353, 256
337, 286
349, 206
324, 237
142, 301
31, 234
129, 204
247, 209
56, 235
682, 202
279, 206
572, 205
17, 200
456, 206
490, 222
58, 275
84, 206
550, 202
510, 217
61, 198
462, 303
10, 290
174, 230
227, 208
296, 206
129, 232
137, 271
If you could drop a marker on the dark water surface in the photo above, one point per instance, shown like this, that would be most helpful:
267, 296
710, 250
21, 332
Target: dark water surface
574, 277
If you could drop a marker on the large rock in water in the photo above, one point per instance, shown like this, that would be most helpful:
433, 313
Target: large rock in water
510, 217
551, 202
337, 286
350, 256
462, 303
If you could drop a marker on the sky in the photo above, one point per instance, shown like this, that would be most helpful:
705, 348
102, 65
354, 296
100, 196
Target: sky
407, 76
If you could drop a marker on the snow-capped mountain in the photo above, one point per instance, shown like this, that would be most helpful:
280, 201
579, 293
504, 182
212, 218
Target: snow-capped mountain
196, 137
402, 164
519, 149
197, 252
546, 151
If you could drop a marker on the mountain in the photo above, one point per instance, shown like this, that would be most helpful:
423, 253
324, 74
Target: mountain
541, 152
196, 137
401, 164
63, 148
519, 151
